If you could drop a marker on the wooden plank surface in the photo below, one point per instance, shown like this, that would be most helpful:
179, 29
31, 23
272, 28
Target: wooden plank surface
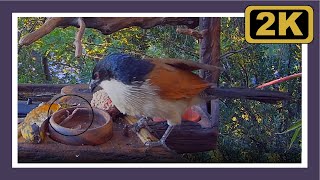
126, 146
38, 92
120, 148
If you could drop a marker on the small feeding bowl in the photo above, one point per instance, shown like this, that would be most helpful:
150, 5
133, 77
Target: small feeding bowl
76, 126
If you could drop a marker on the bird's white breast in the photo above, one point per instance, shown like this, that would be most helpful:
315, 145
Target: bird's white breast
129, 99
143, 99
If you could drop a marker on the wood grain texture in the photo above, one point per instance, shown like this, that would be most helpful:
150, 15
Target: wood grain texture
188, 137
38, 92
210, 54
210, 47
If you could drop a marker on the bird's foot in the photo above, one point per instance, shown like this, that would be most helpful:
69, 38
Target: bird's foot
141, 123
162, 143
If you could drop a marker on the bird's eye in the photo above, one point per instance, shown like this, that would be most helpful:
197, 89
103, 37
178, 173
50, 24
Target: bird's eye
96, 75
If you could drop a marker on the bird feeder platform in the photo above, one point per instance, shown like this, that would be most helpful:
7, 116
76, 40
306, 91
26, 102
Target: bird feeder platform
124, 146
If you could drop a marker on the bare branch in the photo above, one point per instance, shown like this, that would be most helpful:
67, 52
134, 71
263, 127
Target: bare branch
79, 35
107, 25
45, 29
283, 79
230, 53
191, 32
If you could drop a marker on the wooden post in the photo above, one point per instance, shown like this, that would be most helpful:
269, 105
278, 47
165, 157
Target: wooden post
209, 54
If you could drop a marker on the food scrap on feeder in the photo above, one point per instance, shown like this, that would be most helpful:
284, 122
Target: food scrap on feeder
189, 115
102, 101
30, 128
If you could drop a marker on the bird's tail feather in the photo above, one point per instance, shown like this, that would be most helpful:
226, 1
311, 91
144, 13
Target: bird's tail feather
265, 96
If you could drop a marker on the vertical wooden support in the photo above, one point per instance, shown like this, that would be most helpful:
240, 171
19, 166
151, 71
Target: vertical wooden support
210, 54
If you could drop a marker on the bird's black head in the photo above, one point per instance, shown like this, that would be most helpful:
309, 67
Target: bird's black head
101, 72
121, 67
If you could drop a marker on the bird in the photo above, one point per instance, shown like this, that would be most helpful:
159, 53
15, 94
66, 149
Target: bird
165, 89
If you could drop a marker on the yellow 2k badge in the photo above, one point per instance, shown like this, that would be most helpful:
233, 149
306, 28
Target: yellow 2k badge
279, 24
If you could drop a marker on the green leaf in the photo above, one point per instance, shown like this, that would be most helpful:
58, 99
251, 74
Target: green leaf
294, 137
293, 127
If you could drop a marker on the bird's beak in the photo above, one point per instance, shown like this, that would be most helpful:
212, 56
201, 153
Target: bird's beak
93, 84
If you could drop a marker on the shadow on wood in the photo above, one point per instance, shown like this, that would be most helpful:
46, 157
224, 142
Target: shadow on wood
189, 137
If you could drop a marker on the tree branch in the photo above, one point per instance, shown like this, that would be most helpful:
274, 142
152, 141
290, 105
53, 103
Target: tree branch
191, 32
46, 69
45, 29
79, 35
107, 25
283, 79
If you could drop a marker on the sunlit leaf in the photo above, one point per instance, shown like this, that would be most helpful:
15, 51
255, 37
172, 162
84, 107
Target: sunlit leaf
295, 136
293, 127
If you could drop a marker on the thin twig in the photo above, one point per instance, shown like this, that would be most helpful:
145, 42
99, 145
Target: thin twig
279, 80
230, 53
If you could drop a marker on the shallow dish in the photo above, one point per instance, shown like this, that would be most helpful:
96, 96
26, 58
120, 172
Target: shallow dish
75, 126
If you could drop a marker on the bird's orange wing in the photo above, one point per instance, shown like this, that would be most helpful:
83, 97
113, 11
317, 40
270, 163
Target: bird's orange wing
175, 83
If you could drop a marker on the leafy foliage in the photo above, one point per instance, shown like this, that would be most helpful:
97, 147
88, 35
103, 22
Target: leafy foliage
249, 131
